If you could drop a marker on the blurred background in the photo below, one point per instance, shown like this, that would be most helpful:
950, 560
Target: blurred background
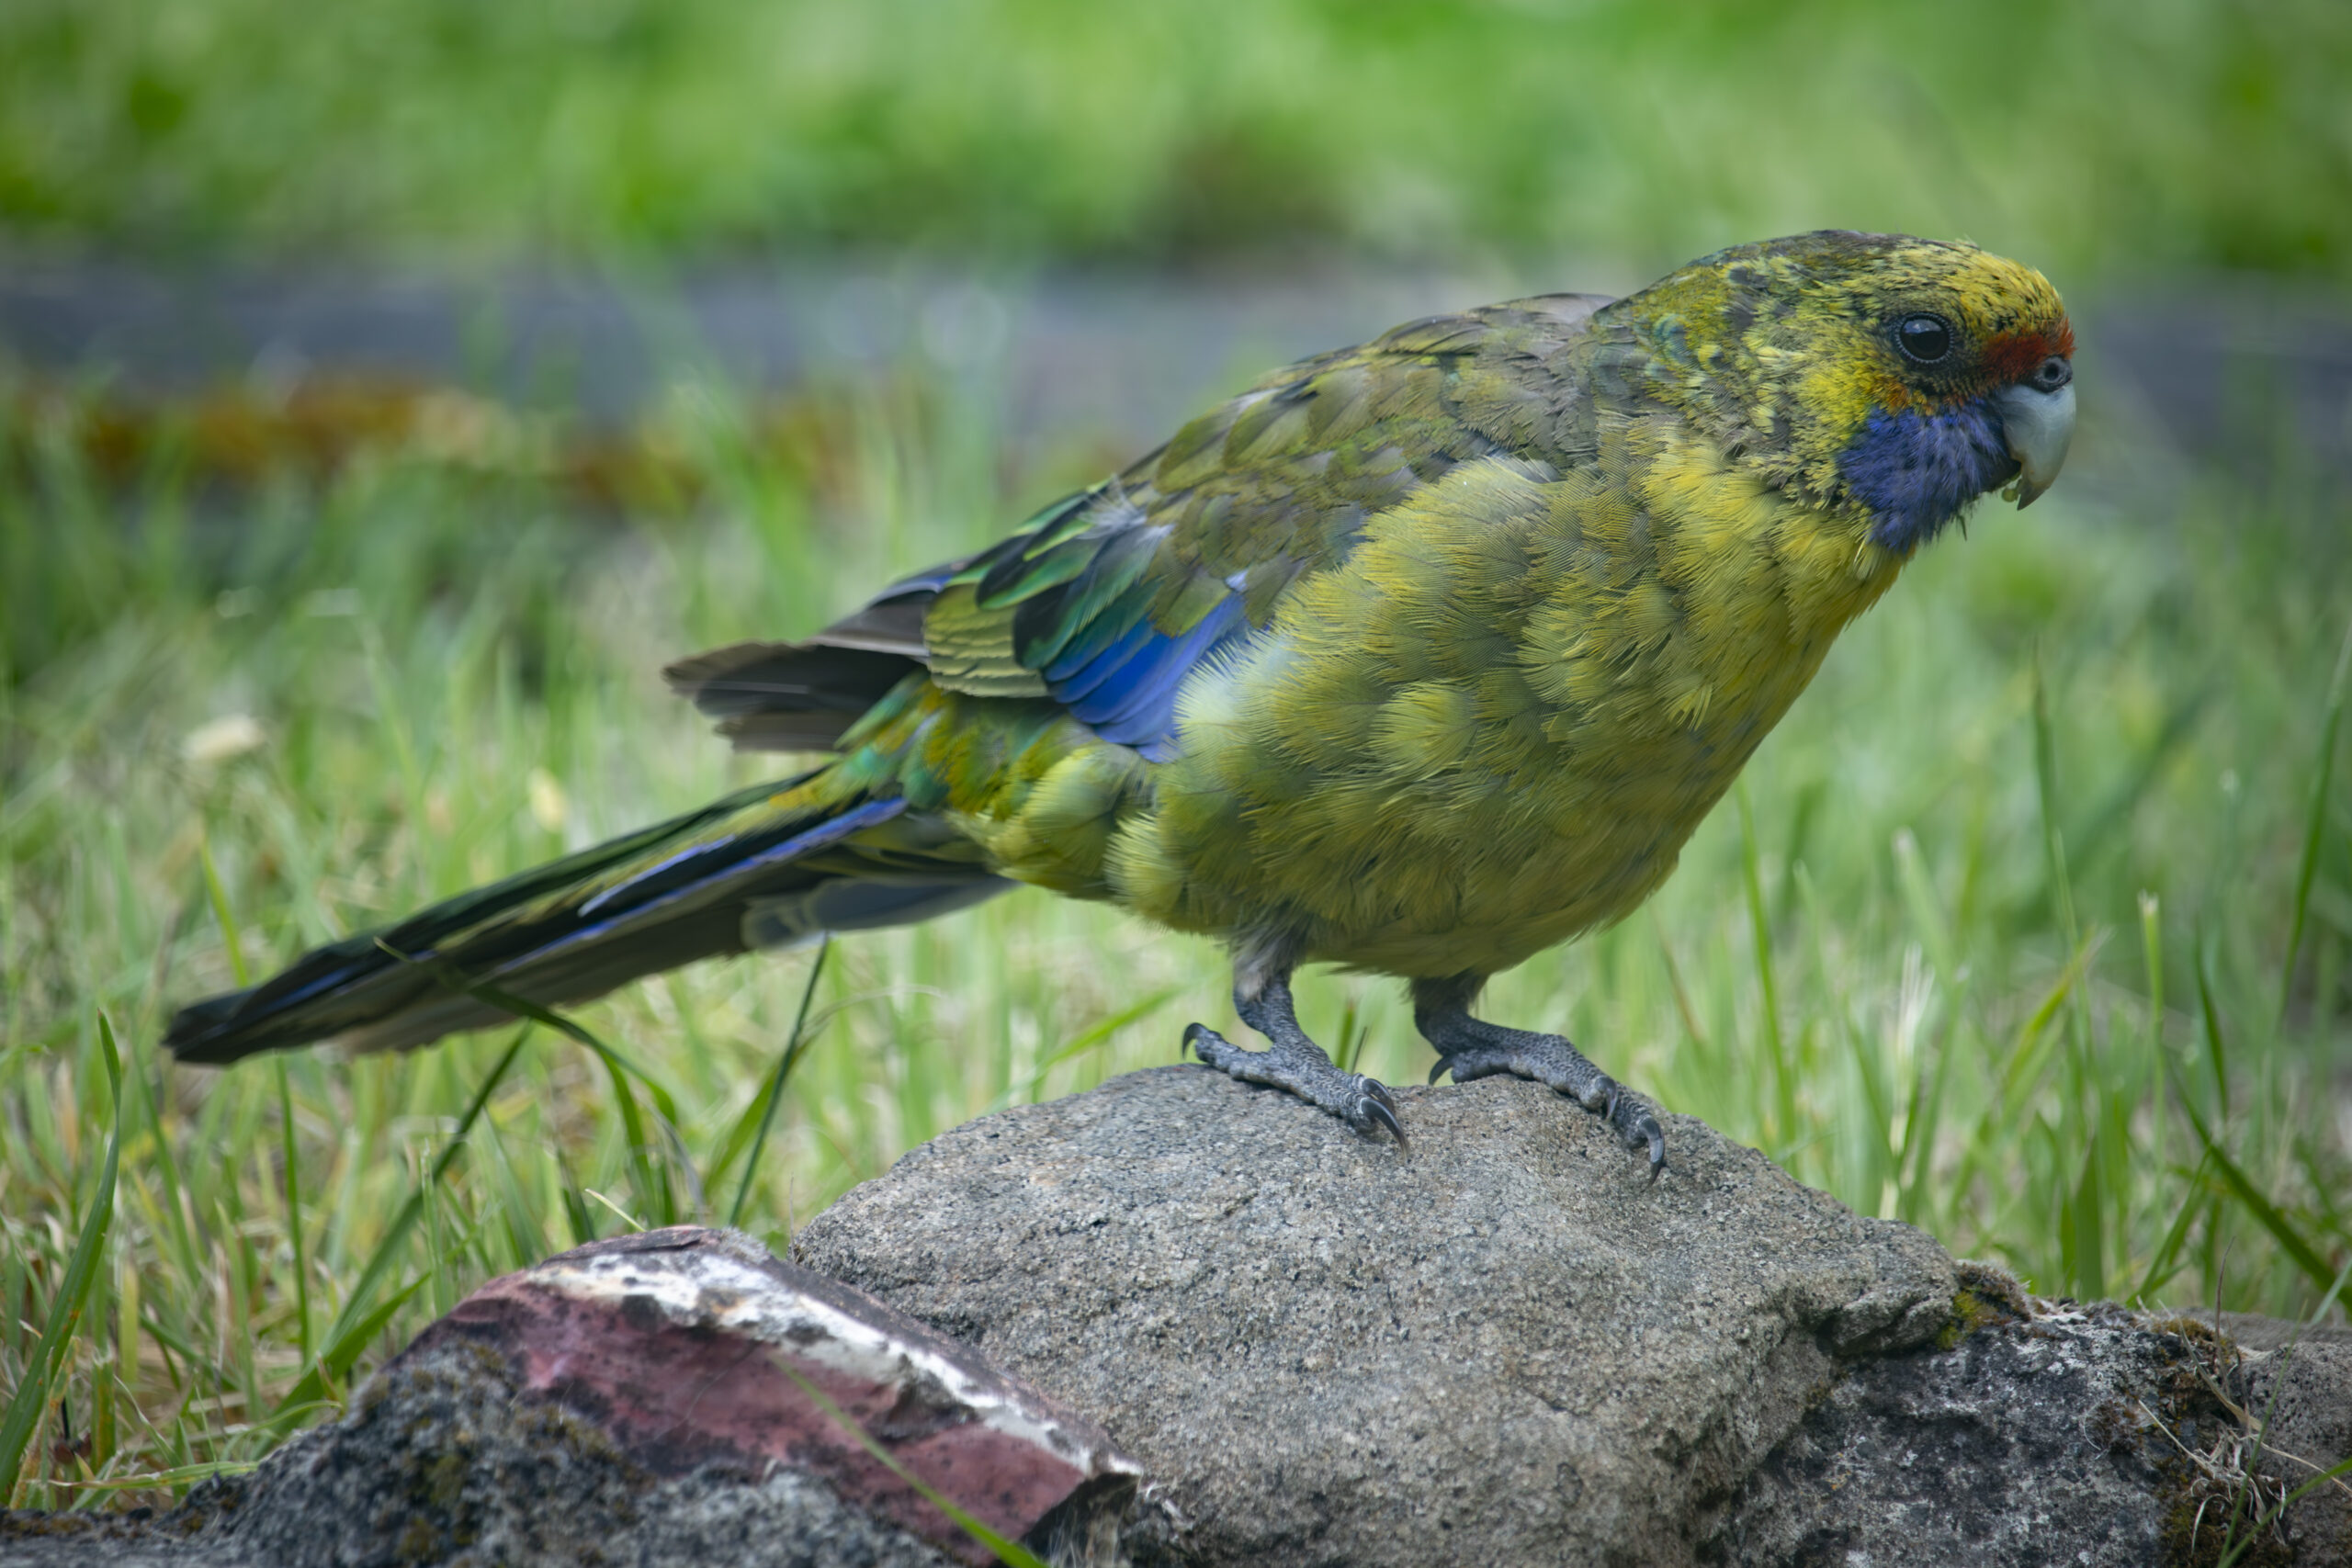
386, 391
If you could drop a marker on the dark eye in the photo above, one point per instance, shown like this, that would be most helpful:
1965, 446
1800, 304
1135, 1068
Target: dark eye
2054, 372
1925, 339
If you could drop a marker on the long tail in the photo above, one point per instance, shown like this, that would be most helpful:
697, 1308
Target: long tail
759, 868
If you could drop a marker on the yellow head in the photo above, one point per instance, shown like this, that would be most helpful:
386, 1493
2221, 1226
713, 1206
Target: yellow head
1890, 378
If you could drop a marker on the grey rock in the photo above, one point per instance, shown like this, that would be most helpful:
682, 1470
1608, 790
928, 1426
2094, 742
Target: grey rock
2300, 1397
2024, 1445
2077, 1435
2249, 1331
1504, 1347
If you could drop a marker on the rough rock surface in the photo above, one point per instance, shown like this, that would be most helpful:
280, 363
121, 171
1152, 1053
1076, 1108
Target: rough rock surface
1505, 1346
2068, 1435
677, 1397
2026, 1444
2302, 1399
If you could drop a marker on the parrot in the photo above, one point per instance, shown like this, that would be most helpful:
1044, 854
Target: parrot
1415, 659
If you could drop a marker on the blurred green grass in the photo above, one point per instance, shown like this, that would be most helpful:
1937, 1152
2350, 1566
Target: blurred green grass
1911, 961
2106, 138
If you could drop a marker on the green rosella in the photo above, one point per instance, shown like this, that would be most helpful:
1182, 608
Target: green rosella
1416, 658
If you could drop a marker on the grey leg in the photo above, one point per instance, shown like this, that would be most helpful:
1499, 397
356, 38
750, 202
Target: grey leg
1293, 1062
1472, 1048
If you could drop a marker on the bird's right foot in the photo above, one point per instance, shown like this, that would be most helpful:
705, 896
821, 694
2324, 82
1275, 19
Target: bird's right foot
1300, 1066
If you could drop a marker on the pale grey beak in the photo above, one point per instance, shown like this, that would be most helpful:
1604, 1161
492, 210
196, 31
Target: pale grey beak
2038, 425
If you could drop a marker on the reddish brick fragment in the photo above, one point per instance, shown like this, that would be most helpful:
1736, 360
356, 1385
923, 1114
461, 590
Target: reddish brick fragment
695, 1348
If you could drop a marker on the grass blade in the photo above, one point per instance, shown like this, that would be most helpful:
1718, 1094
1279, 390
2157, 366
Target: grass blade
2216, 1052
231, 938
1674, 983
72, 1291
1009, 1552
380, 1262
162, 1480
1783, 1070
1926, 908
1350, 1046
1924, 1117
2269, 1518
1103, 1031
2308, 868
2278, 1510
649, 1182
2151, 958
2166, 1261
576, 1212
794, 1044
2086, 1222
649, 1176
2029, 1060
288, 1154
2265, 1213
343, 1352
2045, 774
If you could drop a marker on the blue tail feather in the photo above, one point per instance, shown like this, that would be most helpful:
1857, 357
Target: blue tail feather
701, 885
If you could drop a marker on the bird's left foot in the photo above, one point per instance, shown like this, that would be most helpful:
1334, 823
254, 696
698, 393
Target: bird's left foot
1552, 1060
1472, 1048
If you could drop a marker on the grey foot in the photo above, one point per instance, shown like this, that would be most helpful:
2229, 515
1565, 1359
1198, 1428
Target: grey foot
1548, 1059
1472, 1048
1303, 1069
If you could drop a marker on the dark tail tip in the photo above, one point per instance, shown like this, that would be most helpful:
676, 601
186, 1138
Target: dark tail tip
204, 1034
311, 1000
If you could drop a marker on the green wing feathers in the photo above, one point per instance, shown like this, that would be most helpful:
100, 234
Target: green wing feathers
994, 717
1105, 601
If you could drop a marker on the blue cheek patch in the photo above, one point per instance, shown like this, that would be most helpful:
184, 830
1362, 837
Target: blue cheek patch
1916, 472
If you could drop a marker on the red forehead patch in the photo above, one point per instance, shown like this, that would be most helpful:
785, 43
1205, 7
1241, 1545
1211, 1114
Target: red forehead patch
2013, 356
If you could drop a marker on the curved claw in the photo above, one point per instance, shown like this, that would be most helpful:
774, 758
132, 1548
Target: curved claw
1636, 1126
1375, 1107
1641, 1130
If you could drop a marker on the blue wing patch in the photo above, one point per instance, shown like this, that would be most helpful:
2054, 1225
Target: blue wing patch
1127, 692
